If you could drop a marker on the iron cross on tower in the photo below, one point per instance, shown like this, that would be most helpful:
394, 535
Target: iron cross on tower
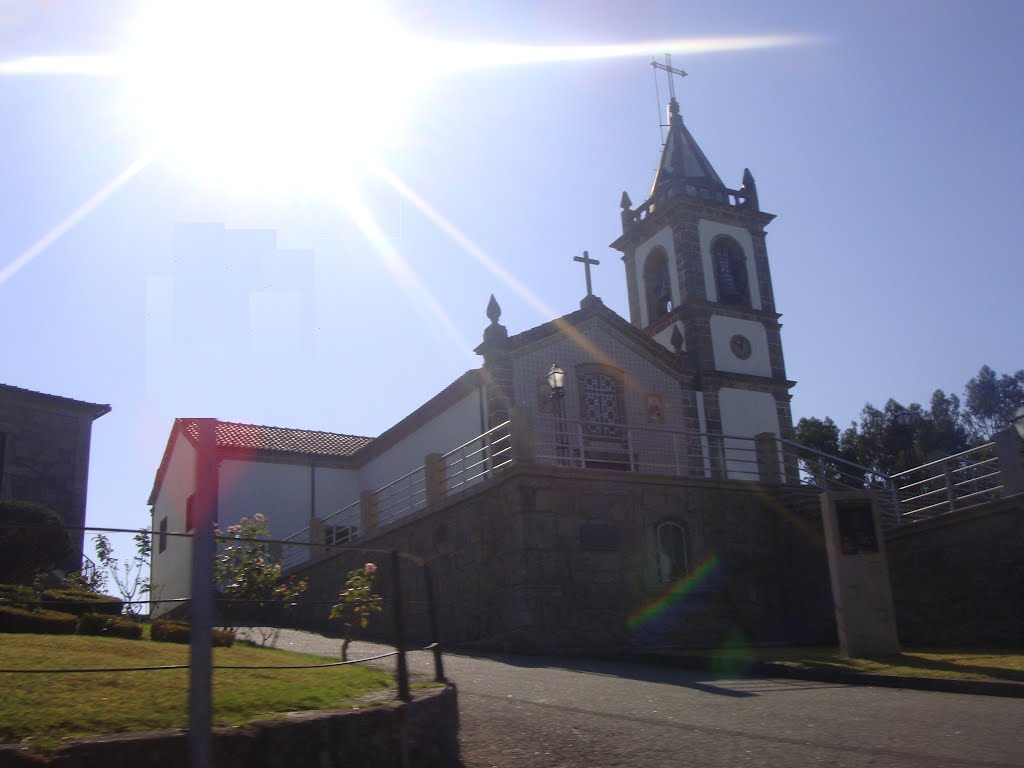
670, 70
586, 261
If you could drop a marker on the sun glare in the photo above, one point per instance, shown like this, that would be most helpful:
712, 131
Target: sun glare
269, 94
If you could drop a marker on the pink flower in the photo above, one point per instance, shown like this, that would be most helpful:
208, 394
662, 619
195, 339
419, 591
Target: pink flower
234, 529
370, 568
259, 518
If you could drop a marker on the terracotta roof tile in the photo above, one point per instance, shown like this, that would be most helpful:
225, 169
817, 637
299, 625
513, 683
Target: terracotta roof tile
257, 437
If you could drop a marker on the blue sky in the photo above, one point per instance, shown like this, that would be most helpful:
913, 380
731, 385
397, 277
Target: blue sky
889, 147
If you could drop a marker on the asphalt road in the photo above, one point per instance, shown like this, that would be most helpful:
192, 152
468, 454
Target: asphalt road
532, 712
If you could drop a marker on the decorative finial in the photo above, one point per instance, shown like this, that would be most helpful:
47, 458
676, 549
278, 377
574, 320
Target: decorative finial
493, 310
673, 107
625, 203
749, 191
677, 340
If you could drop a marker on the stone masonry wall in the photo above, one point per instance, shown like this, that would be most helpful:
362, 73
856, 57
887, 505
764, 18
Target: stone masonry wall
46, 459
547, 559
959, 578
420, 734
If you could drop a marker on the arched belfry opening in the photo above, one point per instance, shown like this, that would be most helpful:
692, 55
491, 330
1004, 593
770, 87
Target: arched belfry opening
730, 265
657, 285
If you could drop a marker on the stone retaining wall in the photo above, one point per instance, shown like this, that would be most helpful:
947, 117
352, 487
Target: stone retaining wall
425, 730
959, 578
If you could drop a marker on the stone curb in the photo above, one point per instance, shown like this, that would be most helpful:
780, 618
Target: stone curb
1006, 688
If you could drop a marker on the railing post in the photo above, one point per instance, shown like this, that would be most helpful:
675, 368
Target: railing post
522, 441
895, 496
1008, 450
436, 480
368, 516
767, 458
434, 633
950, 486
317, 536
402, 673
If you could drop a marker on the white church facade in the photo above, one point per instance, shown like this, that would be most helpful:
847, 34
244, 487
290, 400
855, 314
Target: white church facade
686, 399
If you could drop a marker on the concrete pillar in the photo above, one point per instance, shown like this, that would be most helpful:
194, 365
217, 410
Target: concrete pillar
767, 458
522, 437
436, 479
367, 512
317, 535
1010, 452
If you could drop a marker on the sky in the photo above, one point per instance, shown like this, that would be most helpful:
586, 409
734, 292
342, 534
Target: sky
886, 138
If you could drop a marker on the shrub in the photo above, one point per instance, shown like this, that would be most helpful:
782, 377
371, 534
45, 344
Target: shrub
79, 602
177, 632
108, 626
26, 551
38, 622
18, 596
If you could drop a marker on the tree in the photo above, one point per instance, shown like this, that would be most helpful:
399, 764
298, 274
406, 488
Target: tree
129, 577
990, 400
249, 576
32, 541
359, 602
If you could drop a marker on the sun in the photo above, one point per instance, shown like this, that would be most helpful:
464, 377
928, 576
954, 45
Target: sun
270, 95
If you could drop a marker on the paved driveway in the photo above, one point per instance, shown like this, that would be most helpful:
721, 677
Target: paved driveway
534, 712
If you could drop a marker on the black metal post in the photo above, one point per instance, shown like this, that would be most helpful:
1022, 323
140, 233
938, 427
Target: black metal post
396, 596
435, 634
200, 687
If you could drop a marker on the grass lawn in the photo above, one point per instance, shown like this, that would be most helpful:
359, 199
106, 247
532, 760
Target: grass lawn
964, 663
44, 709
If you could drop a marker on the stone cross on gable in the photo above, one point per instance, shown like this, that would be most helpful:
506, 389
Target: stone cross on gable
586, 261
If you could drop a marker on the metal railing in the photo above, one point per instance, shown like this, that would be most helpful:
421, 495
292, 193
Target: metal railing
473, 461
583, 444
941, 486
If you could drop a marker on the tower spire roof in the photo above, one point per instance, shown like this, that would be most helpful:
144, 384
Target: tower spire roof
682, 161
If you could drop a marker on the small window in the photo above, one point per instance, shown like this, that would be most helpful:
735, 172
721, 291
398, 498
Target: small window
730, 265
190, 513
162, 540
672, 563
337, 535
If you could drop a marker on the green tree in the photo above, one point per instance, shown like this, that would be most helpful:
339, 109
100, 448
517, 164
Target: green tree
990, 400
129, 577
32, 541
249, 576
358, 603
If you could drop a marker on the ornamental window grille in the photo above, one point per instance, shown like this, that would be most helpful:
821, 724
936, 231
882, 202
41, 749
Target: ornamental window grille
602, 409
671, 543
730, 266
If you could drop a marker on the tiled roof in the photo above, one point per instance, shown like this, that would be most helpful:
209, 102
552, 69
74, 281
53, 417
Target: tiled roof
97, 409
257, 437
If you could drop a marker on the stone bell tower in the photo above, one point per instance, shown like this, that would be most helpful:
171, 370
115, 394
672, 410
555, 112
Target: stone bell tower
697, 271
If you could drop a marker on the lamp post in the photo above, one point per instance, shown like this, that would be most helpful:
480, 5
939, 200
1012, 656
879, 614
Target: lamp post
903, 421
556, 385
1017, 420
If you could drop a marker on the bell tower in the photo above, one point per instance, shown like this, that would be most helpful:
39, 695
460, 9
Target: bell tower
697, 267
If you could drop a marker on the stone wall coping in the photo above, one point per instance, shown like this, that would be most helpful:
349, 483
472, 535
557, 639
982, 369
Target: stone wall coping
419, 733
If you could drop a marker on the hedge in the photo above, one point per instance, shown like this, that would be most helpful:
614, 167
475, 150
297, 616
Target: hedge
80, 602
38, 622
177, 632
108, 626
18, 596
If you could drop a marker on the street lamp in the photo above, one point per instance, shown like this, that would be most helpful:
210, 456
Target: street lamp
556, 385
903, 421
1018, 421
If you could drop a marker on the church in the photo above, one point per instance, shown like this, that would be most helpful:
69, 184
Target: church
596, 482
